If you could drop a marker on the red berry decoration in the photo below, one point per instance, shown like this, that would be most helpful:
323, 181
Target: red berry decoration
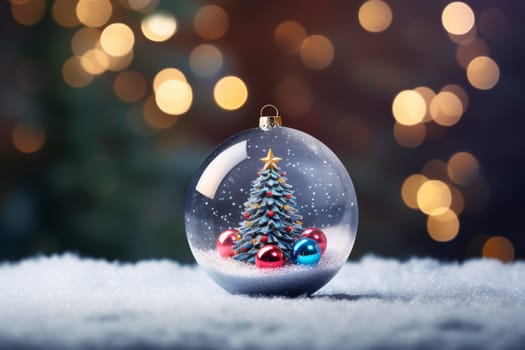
288, 196
270, 213
264, 239
246, 216
288, 228
283, 173
317, 235
269, 194
269, 256
225, 243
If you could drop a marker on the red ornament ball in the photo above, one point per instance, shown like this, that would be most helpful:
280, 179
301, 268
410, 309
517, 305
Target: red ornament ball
269, 256
270, 213
225, 243
317, 235
288, 195
246, 216
264, 239
288, 228
269, 194
283, 173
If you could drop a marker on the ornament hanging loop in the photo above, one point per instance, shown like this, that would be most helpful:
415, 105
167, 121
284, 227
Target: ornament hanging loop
267, 122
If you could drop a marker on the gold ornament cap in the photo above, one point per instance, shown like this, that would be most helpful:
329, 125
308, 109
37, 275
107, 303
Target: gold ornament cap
267, 122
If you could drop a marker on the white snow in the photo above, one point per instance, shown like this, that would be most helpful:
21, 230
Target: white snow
67, 302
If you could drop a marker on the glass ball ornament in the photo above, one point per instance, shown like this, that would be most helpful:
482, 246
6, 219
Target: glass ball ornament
269, 256
260, 193
317, 235
306, 251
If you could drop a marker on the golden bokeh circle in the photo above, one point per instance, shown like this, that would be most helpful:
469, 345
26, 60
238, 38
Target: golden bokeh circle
498, 247
409, 107
375, 16
117, 39
317, 52
410, 188
457, 18
483, 73
443, 227
230, 93
211, 22
434, 197
174, 97
28, 137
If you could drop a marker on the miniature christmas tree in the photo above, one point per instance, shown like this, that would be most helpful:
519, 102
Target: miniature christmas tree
270, 214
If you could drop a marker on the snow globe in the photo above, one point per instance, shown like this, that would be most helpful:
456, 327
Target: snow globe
272, 211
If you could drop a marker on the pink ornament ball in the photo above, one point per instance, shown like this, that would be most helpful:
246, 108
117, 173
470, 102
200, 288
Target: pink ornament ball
225, 243
317, 235
269, 256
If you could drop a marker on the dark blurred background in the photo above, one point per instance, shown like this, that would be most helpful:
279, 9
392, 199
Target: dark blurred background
422, 101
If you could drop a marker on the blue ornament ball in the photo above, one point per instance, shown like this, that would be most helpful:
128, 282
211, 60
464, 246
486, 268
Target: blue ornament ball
306, 251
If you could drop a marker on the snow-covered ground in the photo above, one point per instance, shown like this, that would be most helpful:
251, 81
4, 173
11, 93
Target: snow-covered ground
69, 302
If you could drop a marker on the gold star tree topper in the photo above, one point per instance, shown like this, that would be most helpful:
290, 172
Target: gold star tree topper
270, 161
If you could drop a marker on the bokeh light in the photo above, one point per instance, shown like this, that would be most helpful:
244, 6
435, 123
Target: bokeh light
498, 247
167, 74
410, 188
117, 39
409, 108
230, 93
74, 74
293, 96
129, 86
28, 12
155, 117
28, 137
159, 26
206, 60
94, 13
483, 73
463, 168
174, 97
94, 61
434, 197
289, 35
446, 108
459, 92
375, 16
317, 52
211, 22
457, 18
443, 227
84, 39
64, 13
410, 136
428, 95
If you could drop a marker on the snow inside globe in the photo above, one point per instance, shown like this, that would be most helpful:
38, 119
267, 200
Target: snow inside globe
272, 211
